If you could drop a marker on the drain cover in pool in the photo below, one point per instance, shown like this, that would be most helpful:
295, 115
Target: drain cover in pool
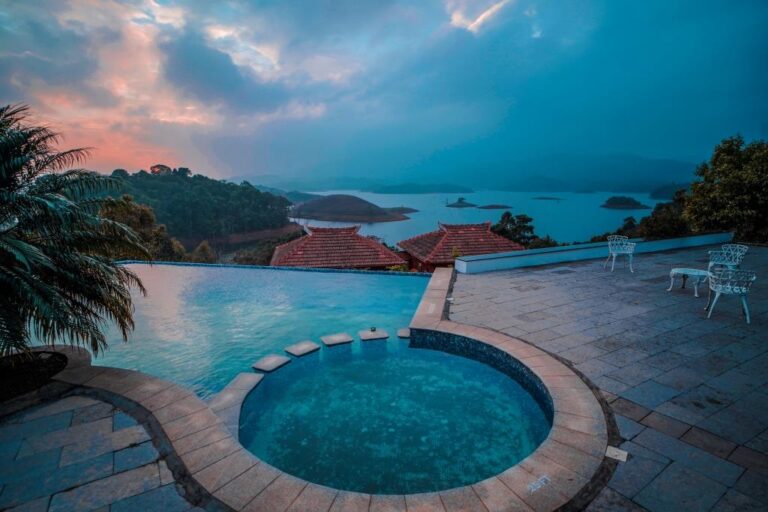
384, 418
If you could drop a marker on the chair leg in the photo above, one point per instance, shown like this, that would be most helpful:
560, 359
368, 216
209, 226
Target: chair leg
605, 264
712, 306
671, 281
631, 257
709, 299
745, 307
613, 262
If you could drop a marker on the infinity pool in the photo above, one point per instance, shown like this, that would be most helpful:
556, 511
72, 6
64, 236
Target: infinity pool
380, 417
201, 326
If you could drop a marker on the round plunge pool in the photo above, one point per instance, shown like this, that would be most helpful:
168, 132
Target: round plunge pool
384, 418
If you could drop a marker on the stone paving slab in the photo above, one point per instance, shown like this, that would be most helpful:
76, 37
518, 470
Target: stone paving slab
680, 488
302, 348
699, 382
107, 490
336, 339
84, 465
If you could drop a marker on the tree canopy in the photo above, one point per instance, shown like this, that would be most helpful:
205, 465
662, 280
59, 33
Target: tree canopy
519, 228
195, 206
58, 280
731, 192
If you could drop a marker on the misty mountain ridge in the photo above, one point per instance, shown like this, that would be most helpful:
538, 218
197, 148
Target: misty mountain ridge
556, 173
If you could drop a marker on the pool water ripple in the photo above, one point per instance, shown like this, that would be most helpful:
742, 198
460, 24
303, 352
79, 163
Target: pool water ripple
380, 417
200, 326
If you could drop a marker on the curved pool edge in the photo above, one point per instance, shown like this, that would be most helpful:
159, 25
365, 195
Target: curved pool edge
570, 467
218, 473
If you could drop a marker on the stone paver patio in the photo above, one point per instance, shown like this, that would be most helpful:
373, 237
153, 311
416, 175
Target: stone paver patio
688, 393
78, 453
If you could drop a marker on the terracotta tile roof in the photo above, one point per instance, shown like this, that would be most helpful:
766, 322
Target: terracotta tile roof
334, 248
439, 247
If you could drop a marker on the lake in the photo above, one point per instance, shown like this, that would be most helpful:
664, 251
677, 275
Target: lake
574, 217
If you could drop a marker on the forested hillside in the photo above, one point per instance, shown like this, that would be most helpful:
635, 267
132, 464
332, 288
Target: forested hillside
198, 207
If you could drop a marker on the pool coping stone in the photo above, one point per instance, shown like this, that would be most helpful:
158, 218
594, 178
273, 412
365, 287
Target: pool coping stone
341, 338
271, 362
302, 348
373, 335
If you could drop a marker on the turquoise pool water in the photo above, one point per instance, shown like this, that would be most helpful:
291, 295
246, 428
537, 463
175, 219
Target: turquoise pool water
201, 326
383, 418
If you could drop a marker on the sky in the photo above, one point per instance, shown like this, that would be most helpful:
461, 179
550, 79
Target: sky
383, 88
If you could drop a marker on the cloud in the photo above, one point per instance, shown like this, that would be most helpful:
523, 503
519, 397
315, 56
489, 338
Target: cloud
210, 75
475, 22
389, 87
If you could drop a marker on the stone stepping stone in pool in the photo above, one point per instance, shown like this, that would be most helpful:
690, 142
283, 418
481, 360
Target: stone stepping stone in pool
336, 339
302, 348
271, 362
404, 333
373, 335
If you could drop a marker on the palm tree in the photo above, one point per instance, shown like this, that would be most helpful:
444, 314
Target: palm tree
58, 282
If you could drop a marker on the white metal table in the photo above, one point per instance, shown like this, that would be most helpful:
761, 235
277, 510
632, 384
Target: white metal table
696, 274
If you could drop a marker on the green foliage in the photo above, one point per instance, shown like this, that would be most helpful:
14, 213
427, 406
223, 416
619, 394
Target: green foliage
541, 243
260, 253
58, 280
201, 207
141, 219
628, 228
666, 220
518, 228
732, 191
204, 253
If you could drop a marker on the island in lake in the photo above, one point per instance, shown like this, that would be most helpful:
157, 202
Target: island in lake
548, 198
404, 210
495, 207
461, 203
346, 208
624, 203
417, 188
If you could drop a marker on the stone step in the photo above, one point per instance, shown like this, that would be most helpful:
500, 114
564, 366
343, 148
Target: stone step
271, 362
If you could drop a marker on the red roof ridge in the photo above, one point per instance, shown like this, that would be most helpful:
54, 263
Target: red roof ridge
438, 247
486, 226
332, 247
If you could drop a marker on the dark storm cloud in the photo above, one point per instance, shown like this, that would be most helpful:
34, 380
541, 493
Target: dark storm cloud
211, 76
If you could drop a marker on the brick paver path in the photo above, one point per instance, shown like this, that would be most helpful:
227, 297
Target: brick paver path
689, 393
77, 453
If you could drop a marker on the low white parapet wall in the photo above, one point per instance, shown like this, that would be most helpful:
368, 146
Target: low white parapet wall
578, 252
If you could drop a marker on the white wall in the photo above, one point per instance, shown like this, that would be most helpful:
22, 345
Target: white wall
580, 252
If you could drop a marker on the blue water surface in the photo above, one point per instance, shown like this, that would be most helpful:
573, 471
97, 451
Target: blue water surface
380, 417
200, 326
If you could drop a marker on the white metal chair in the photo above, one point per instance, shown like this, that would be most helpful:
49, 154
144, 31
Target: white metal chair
618, 245
728, 257
731, 282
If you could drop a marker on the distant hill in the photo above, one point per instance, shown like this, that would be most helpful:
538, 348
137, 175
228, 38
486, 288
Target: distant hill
624, 203
294, 196
421, 188
345, 208
461, 203
668, 191
495, 207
